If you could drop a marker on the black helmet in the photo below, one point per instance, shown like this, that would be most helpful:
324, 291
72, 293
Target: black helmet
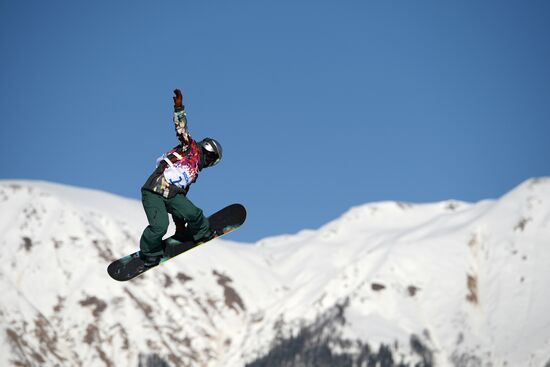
212, 150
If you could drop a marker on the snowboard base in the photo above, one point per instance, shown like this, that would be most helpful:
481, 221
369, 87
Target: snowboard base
223, 222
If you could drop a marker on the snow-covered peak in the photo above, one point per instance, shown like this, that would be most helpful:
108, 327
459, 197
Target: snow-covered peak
82, 198
447, 284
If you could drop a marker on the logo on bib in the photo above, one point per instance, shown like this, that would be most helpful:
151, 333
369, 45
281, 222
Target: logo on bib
179, 176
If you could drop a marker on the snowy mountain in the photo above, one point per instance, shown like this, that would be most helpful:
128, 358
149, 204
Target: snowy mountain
386, 284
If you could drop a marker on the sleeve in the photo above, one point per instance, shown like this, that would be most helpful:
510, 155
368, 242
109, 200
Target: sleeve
160, 159
180, 123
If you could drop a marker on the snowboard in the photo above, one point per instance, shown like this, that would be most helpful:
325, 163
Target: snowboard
222, 222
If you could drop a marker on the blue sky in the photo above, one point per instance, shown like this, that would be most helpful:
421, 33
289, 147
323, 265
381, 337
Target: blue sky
319, 105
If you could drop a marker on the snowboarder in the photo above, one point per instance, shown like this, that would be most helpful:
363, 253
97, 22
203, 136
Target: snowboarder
165, 191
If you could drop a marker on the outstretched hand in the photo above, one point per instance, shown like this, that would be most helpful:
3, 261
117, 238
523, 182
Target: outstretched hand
178, 99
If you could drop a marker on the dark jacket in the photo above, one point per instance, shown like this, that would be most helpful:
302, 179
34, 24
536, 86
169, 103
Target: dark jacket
178, 168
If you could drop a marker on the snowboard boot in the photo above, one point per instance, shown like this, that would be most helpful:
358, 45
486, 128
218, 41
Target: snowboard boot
150, 261
208, 236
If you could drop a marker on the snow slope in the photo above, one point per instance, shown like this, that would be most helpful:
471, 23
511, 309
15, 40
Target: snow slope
444, 284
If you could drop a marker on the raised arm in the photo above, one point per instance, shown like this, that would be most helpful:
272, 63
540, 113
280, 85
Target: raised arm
180, 119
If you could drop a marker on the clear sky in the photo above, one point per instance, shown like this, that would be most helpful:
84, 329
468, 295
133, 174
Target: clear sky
319, 105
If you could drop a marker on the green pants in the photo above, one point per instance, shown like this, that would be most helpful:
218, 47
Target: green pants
157, 208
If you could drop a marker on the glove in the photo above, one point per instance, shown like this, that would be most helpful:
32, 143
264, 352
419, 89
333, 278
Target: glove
178, 99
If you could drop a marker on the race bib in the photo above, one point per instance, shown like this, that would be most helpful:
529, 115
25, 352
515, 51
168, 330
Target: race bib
179, 176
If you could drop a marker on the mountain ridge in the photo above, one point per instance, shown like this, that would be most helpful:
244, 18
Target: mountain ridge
447, 284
